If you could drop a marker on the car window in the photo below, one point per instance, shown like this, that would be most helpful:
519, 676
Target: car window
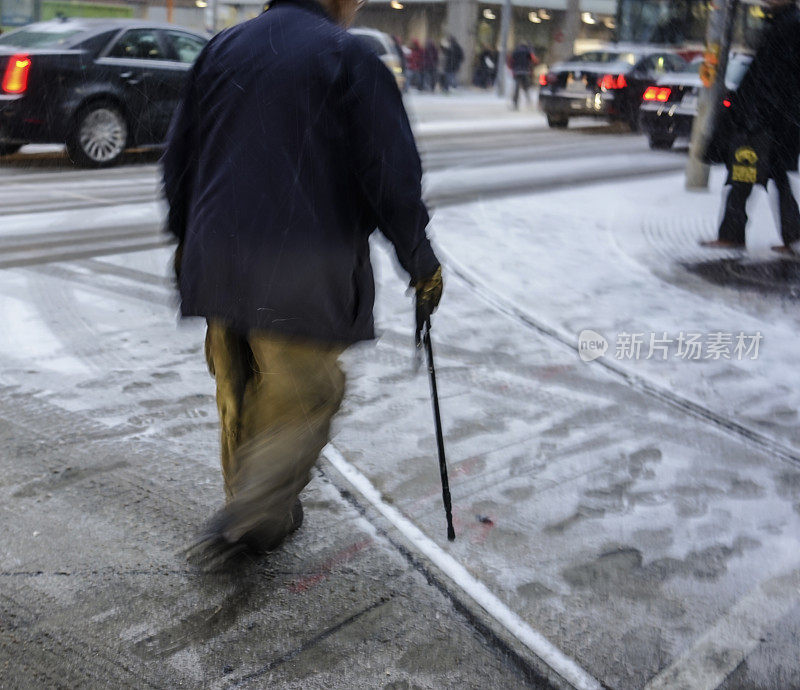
94, 44
676, 63
140, 44
693, 67
40, 36
374, 44
185, 47
656, 64
604, 56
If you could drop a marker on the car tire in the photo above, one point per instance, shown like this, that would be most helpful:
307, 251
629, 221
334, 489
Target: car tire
9, 149
663, 143
99, 135
557, 122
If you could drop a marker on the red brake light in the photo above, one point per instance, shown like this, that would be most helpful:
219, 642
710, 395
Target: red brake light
16, 76
726, 103
610, 82
663, 95
657, 93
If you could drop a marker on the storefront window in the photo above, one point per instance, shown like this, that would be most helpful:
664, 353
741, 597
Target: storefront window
662, 21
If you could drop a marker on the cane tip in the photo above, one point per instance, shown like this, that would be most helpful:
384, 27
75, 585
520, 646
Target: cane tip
451, 534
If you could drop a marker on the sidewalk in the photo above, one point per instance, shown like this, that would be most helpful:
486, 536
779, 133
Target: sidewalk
638, 269
653, 547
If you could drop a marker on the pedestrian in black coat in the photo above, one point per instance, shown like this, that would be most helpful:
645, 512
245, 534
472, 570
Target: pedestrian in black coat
453, 57
764, 118
430, 65
290, 146
521, 63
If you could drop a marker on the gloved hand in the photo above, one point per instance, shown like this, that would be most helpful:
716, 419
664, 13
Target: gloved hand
428, 294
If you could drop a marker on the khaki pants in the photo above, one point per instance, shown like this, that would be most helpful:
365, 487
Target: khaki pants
276, 397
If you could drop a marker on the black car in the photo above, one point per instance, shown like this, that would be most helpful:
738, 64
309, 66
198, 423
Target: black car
605, 83
669, 105
98, 85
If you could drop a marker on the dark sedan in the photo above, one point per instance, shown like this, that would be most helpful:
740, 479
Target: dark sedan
97, 85
669, 106
603, 83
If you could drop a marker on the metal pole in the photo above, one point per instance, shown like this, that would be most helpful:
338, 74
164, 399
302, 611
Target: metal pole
571, 29
502, 52
448, 511
213, 12
718, 45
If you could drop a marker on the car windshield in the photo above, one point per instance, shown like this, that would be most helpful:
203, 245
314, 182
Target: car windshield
604, 56
52, 36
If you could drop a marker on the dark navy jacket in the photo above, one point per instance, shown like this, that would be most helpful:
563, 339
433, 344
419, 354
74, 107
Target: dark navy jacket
290, 147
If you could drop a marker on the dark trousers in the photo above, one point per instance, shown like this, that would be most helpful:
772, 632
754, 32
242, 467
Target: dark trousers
521, 81
429, 80
734, 220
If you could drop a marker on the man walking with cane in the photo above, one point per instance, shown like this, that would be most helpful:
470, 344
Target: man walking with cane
290, 146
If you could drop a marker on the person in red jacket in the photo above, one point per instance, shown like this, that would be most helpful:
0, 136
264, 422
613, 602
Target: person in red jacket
415, 65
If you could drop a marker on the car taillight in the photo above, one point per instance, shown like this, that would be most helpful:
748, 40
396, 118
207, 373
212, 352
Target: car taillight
609, 82
656, 93
16, 76
545, 79
726, 103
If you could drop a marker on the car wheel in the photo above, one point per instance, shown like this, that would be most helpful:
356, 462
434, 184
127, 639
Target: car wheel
8, 149
661, 143
99, 136
557, 122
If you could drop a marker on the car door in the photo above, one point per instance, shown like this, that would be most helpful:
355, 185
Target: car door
138, 62
182, 50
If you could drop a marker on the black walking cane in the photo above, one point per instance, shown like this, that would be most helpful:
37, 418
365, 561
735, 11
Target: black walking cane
426, 339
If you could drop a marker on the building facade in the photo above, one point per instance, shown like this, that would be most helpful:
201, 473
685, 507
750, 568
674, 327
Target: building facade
476, 25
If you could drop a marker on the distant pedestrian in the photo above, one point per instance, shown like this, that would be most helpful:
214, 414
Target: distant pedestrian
453, 57
415, 61
484, 68
430, 65
522, 68
762, 140
290, 146
401, 57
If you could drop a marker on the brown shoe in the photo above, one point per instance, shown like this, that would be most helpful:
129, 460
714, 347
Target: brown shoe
722, 244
